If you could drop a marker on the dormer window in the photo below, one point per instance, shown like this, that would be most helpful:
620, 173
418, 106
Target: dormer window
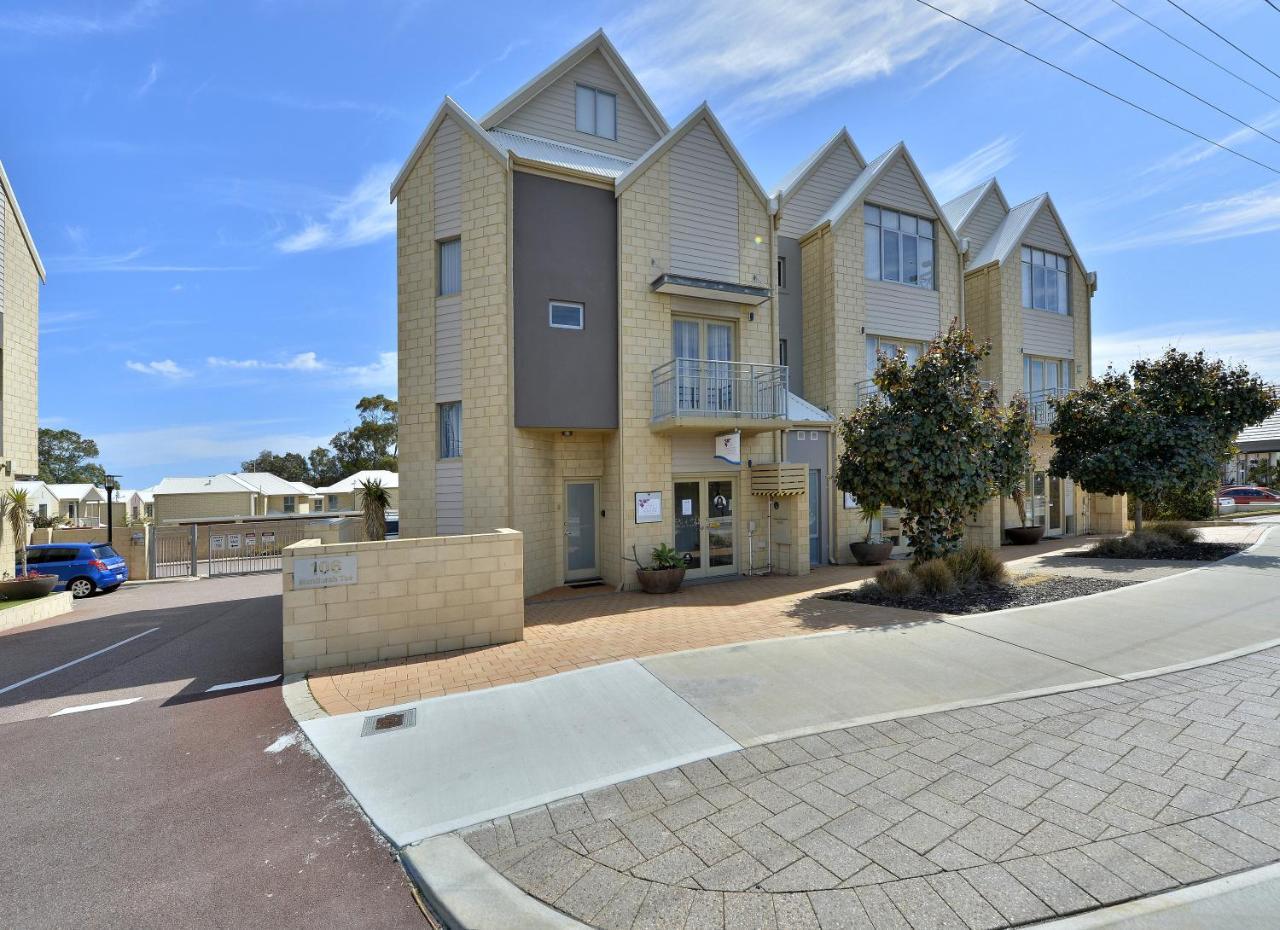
1045, 278
898, 247
597, 112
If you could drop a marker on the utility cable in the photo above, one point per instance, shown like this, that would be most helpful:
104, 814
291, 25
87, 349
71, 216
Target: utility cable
1191, 15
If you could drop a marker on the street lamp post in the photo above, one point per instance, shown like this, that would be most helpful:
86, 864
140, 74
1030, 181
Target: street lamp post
110, 486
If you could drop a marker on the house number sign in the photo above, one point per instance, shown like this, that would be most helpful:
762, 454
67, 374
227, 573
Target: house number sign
326, 572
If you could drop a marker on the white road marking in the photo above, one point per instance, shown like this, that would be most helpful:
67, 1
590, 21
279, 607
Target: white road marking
27, 681
83, 707
284, 742
227, 686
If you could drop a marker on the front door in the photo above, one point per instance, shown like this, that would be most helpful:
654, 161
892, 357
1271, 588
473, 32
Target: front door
1055, 507
581, 531
815, 516
704, 526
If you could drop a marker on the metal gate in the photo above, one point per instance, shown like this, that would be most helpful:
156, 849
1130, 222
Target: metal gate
173, 552
247, 548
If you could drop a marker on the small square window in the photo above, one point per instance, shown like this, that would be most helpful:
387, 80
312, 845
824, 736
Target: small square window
565, 315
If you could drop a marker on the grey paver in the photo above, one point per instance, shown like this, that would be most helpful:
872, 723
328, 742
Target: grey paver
738, 817
684, 812
834, 855
839, 910
921, 906
858, 826
898, 859
987, 838
620, 911
1006, 894
920, 832
737, 873
665, 908
670, 868
707, 912
961, 897
795, 912
771, 850
750, 911
707, 842
880, 909
589, 894
570, 813
796, 821
1049, 885
648, 834
1098, 881
802, 875
621, 855
1123, 863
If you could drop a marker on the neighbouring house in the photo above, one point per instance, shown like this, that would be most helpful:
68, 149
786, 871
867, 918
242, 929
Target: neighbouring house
40, 500
1257, 445
611, 336
278, 495
223, 495
126, 506
147, 500
345, 494
80, 504
21, 274
1029, 293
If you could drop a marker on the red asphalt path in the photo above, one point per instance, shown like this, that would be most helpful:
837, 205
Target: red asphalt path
169, 811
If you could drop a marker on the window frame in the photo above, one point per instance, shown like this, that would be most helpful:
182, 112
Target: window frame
444, 449
441, 245
783, 353
903, 228
290, 503
782, 272
596, 94
571, 304
1062, 289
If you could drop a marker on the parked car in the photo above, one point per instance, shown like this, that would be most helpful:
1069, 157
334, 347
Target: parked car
1226, 505
82, 568
1244, 495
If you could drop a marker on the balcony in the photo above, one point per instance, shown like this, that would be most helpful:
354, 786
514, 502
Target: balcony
696, 393
1041, 406
863, 391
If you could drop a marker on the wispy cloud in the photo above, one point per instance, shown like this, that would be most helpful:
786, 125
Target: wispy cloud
502, 56
46, 23
1236, 341
380, 373
303, 361
360, 216
1246, 214
128, 261
327, 105
973, 168
164, 368
63, 321
153, 74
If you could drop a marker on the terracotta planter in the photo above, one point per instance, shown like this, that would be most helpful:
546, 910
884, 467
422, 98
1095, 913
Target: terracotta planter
1024, 535
21, 589
660, 580
869, 553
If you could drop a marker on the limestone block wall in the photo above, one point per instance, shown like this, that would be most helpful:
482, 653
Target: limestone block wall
21, 283
412, 597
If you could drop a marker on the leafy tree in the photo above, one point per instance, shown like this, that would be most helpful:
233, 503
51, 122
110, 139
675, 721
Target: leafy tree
1161, 429
934, 442
323, 467
64, 458
371, 444
291, 466
1264, 474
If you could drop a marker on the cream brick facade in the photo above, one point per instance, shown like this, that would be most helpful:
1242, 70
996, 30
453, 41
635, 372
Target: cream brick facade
411, 597
170, 507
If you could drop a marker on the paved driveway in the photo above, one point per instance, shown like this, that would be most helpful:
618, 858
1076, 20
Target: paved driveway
173, 805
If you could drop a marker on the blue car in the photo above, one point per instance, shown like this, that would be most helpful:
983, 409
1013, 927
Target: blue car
82, 568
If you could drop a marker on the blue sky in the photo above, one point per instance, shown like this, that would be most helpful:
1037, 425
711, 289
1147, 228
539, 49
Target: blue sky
207, 182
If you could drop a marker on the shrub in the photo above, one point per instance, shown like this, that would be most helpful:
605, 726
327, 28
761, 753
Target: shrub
976, 565
1178, 533
896, 583
935, 577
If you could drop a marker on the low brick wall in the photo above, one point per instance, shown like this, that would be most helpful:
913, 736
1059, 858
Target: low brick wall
52, 605
410, 597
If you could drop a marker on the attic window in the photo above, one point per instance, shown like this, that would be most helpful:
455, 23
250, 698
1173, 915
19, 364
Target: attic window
597, 112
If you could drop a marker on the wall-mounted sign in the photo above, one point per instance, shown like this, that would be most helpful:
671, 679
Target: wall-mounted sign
250, 540
729, 448
648, 506
268, 540
850, 502
217, 543
233, 541
325, 572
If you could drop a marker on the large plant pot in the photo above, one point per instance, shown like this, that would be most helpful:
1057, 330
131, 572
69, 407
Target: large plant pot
1024, 535
869, 553
21, 589
660, 580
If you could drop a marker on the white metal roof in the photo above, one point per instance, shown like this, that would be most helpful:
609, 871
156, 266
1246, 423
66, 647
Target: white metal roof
800, 410
561, 154
800, 173
76, 492
959, 209
449, 107
348, 484
270, 484
1004, 241
22, 223
1267, 432
213, 484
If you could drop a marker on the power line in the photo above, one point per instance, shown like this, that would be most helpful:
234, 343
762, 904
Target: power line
1273, 5
1101, 89
1156, 74
1223, 38
1197, 51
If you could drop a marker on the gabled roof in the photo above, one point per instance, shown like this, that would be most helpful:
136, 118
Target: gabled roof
959, 209
596, 42
7, 188
801, 172
448, 108
800, 410
871, 174
1009, 233
75, 492
1264, 435
561, 154
214, 484
267, 483
663, 145
389, 479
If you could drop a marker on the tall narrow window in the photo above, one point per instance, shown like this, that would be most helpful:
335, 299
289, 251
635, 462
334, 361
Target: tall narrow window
782, 272
449, 417
898, 247
450, 255
782, 352
596, 112
1046, 281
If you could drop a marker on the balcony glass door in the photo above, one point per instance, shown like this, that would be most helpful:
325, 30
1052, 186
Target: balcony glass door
705, 533
699, 345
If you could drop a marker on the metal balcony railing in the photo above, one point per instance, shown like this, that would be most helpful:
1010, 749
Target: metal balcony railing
863, 391
1039, 403
699, 387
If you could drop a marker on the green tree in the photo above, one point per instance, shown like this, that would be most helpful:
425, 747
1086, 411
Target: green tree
1157, 431
1264, 474
371, 444
323, 468
291, 466
935, 443
65, 458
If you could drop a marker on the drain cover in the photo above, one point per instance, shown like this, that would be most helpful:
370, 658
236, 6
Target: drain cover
388, 723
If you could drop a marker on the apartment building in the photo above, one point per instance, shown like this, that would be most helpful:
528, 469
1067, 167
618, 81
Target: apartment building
611, 337
21, 274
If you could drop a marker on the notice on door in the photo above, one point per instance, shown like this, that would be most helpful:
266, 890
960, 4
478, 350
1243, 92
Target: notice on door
648, 506
327, 572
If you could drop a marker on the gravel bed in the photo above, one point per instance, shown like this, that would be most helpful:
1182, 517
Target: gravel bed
1182, 552
1024, 591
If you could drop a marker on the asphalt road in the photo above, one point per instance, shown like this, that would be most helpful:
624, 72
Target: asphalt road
183, 807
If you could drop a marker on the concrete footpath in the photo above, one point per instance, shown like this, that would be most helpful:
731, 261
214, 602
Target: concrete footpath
472, 757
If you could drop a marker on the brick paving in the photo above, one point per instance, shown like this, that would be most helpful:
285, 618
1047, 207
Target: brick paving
985, 817
583, 631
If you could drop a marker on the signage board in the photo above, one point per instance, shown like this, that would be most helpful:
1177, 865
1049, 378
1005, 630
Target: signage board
648, 506
217, 543
729, 448
324, 572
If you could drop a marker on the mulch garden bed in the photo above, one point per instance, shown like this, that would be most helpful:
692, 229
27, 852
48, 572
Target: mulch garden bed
1026, 592
1181, 552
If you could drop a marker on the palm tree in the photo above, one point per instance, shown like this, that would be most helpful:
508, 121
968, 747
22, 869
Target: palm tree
374, 500
13, 510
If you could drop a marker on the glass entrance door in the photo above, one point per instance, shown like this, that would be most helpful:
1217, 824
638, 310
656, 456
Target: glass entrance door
704, 526
701, 348
1055, 507
815, 516
581, 533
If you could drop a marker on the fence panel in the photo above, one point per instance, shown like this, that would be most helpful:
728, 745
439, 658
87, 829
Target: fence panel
171, 552
250, 548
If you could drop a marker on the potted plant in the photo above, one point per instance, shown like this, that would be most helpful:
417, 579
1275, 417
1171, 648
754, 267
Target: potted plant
13, 510
868, 552
1022, 535
665, 572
